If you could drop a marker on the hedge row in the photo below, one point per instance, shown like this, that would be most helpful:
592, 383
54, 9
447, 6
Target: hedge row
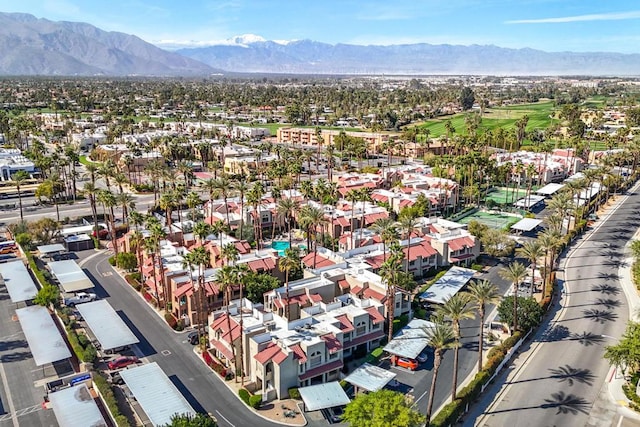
109, 398
250, 400
81, 346
217, 367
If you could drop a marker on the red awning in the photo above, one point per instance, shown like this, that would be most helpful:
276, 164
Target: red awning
222, 349
321, 370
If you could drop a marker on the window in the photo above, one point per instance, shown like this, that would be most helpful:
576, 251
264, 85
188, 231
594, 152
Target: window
361, 328
333, 356
315, 359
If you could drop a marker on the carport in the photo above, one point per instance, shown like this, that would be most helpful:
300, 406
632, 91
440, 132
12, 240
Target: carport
448, 285
45, 342
157, 395
526, 224
370, 378
410, 340
549, 189
51, 249
70, 276
74, 407
108, 328
16, 278
529, 202
323, 396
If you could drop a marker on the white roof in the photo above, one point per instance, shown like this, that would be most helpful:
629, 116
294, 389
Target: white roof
322, 396
549, 189
526, 224
47, 249
74, 407
528, 202
448, 285
156, 394
370, 377
45, 342
106, 325
410, 340
70, 275
18, 281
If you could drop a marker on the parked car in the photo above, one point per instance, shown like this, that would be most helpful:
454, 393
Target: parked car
79, 298
423, 357
336, 414
192, 337
114, 378
122, 362
117, 350
410, 364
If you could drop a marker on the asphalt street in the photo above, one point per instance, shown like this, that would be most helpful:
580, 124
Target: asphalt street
558, 376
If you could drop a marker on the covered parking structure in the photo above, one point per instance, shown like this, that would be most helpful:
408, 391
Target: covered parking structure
75, 407
18, 281
108, 328
51, 249
448, 285
530, 202
323, 396
410, 340
45, 342
526, 225
370, 378
549, 189
157, 395
70, 276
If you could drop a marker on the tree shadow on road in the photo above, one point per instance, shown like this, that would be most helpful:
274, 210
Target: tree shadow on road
587, 338
563, 403
599, 316
608, 302
564, 374
606, 289
556, 333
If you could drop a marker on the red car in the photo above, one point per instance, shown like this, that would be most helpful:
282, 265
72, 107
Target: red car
122, 362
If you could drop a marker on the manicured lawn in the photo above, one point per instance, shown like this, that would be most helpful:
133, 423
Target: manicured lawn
504, 117
85, 161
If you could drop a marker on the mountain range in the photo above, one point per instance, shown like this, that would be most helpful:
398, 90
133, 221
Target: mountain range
33, 46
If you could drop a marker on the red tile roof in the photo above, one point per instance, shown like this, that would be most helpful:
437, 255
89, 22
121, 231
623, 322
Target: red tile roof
222, 349
375, 315
298, 353
460, 243
378, 296
321, 370
320, 261
268, 353
424, 250
184, 289
356, 290
343, 283
375, 261
264, 264
341, 220
333, 344
280, 357
221, 324
315, 297
345, 323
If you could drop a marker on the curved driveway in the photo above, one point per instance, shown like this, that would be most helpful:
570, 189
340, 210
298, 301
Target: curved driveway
559, 375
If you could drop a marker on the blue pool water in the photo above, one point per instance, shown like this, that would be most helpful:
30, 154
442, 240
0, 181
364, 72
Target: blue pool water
280, 246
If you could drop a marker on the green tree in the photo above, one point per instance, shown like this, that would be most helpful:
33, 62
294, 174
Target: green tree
19, 178
127, 261
289, 263
256, 284
383, 408
482, 293
515, 272
456, 309
440, 338
47, 296
25, 241
529, 312
186, 420
467, 98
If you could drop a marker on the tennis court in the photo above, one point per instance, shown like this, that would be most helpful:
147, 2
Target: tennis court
503, 195
495, 220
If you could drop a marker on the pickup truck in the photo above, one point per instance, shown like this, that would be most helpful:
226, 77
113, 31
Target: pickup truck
79, 298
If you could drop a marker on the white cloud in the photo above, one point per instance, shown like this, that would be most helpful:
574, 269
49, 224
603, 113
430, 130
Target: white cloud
613, 16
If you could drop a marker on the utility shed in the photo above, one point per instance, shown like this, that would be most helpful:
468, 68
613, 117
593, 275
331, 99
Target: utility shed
370, 377
448, 285
70, 276
108, 328
155, 393
18, 281
45, 342
410, 340
74, 407
322, 396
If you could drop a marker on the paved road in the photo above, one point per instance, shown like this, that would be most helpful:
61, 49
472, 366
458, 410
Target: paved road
559, 375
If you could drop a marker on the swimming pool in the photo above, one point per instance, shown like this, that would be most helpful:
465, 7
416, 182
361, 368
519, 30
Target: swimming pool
280, 246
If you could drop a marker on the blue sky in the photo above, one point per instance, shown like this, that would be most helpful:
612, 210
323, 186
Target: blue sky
551, 25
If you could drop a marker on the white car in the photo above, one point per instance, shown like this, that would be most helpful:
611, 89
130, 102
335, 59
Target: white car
80, 298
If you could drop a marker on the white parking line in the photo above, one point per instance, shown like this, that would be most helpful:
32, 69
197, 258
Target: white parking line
7, 390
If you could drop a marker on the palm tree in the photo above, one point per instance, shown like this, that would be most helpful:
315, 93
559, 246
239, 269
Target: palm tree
108, 200
136, 219
20, 177
313, 218
352, 196
550, 241
193, 201
229, 252
240, 272
156, 234
241, 187
223, 187
387, 229
390, 273
482, 293
226, 279
440, 337
137, 243
127, 202
456, 309
200, 257
167, 203
515, 272
408, 224
287, 209
532, 250
90, 191
288, 263
364, 196
254, 198
201, 229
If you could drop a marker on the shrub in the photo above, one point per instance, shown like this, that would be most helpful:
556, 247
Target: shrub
112, 261
496, 351
448, 415
244, 395
110, 400
126, 261
255, 401
512, 340
294, 393
171, 320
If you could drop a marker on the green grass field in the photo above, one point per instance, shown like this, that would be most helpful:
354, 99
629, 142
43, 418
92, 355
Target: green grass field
493, 220
502, 195
504, 117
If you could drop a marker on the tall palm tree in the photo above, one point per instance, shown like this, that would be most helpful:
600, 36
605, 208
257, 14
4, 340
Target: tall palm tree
20, 177
109, 201
242, 188
226, 279
167, 204
313, 218
387, 229
364, 196
288, 263
229, 252
515, 272
254, 198
201, 229
440, 337
127, 202
390, 273
136, 219
408, 224
223, 188
532, 250
193, 201
137, 242
482, 293
201, 259
456, 309
156, 235
352, 196
287, 208
240, 272
550, 241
